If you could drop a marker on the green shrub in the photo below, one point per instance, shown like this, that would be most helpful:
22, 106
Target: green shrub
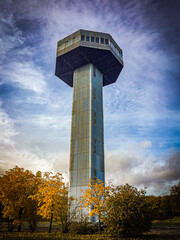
128, 213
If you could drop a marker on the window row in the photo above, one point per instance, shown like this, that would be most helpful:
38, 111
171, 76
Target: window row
94, 39
115, 50
68, 43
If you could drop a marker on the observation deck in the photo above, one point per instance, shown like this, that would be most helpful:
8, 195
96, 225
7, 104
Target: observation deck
84, 47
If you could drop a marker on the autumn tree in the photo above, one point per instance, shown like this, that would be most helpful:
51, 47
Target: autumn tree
175, 199
51, 196
93, 199
31, 205
15, 187
128, 213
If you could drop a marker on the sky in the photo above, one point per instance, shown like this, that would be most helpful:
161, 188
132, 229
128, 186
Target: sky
141, 110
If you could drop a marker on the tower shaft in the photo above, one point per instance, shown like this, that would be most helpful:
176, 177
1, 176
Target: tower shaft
87, 140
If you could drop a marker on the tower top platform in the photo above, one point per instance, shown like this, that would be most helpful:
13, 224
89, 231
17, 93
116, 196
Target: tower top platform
84, 47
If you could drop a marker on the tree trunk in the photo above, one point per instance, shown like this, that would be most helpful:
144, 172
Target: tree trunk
50, 225
20, 216
10, 225
99, 226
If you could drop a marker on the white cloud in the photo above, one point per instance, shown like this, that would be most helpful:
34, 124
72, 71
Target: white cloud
29, 158
146, 144
26, 74
129, 165
7, 131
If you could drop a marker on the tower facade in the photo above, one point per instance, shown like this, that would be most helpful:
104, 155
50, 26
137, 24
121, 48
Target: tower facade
87, 61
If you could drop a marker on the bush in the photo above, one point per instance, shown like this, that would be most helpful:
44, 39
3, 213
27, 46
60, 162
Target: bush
83, 228
128, 213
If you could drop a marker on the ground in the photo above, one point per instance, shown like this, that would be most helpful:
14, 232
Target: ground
167, 229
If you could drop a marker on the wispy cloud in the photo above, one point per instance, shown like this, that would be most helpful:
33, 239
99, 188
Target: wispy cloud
26, 75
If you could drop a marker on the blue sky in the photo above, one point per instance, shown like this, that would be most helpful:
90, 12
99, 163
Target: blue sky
141, 110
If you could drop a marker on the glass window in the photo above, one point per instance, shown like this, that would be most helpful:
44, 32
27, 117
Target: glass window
92, 39
94, 71
69, 43
82, 37
87, 38
97, 40
62, 47
94, 118
94, 145
94, 93
102, 40
106, 41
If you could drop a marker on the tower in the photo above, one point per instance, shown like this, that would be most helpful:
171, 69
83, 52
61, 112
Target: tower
87, 61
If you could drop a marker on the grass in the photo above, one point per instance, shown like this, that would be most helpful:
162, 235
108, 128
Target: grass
57, 236
41, 233
173, 222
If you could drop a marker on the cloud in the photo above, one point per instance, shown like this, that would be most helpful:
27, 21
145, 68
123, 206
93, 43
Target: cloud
32, 158
26, 75
7, 130
142, 170
146, 144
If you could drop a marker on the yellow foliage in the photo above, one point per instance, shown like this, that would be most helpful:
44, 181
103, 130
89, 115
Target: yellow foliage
51, 195
15, 187
93, 198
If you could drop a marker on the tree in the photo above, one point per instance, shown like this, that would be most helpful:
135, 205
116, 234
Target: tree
175, 198
14, 191
155, 203
128, 213
93, 199
51, 196
31, 205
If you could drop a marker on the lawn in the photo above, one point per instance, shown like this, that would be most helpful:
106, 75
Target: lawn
174, 222
161, 230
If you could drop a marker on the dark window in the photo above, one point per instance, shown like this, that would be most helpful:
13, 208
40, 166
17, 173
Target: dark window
102, 40
94, 71
94, 145
94, 117
87, 38
97, 40
106, 41
92, 39
94, 93
82, 37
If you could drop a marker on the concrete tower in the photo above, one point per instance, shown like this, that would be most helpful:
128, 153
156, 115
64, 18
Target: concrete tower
87, 61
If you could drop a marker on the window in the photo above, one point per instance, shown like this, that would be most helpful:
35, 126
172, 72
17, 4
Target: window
94, 71
94, 118
97, 40
94, 145
82, 37
62, 47
106, 41
92, 39
74, 40
102, 40
94, 93
87, 38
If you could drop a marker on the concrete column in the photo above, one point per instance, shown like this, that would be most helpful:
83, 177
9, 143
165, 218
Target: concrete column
87, 140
